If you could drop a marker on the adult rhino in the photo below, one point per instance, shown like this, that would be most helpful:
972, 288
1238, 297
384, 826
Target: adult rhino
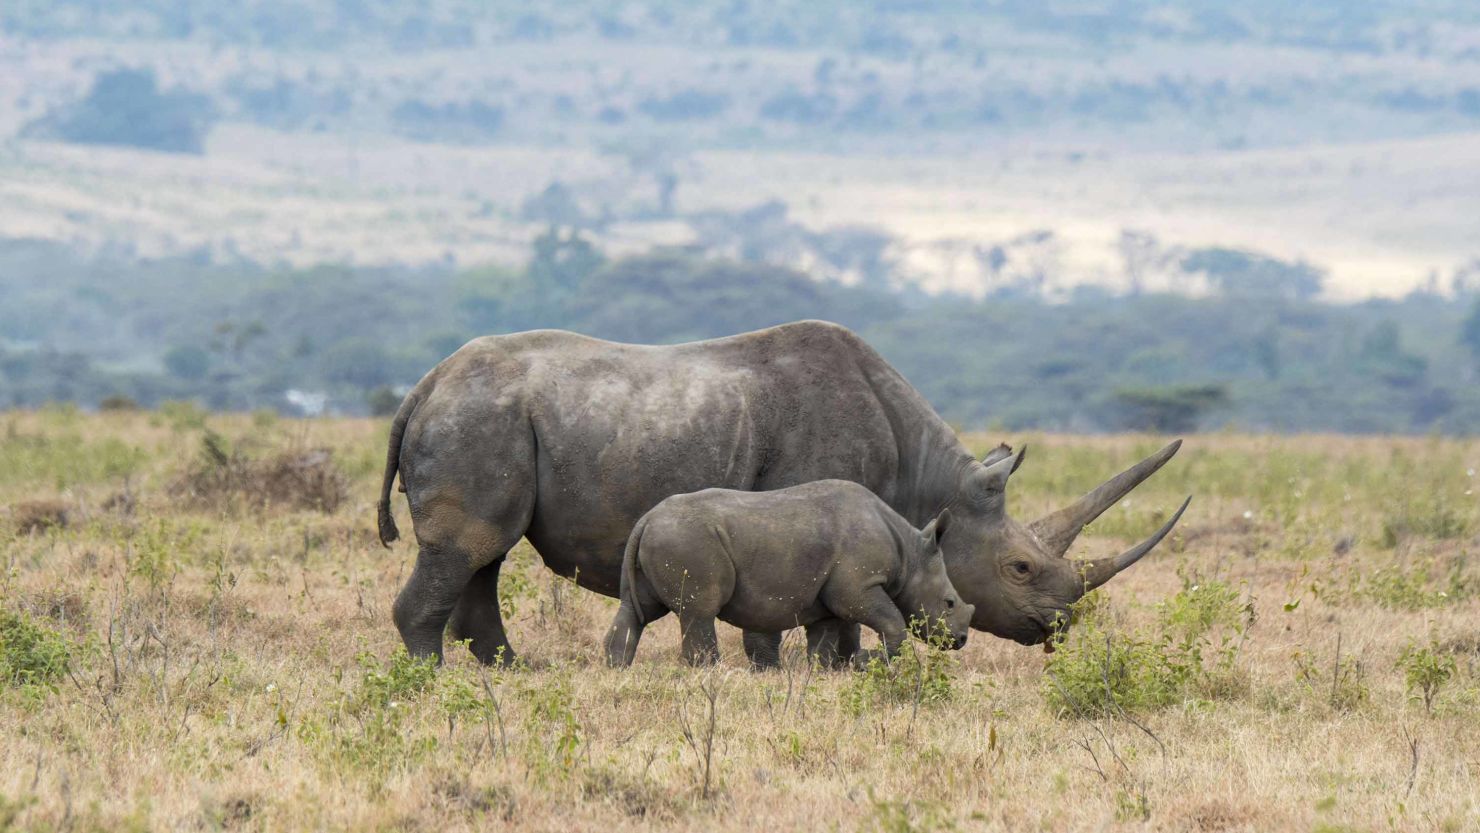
568, 440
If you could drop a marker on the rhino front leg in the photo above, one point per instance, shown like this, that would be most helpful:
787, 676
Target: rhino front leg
763, 649
700, 644
831, 643
881, 614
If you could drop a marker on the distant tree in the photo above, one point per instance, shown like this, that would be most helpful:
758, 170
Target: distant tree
383, 401
556, 205
126, 107
1382, 355
187, 362
1469, 331
497, 300
359, 362
1267, 352
1248, 274
1167, 409
561, 263
677, 295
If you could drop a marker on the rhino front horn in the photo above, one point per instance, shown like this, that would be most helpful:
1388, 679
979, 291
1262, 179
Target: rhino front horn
1101, 570
1058, 530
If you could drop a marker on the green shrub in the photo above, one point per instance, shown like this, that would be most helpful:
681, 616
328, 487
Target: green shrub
367, 731
1425, 670
1432, 517
32, 656
1190, 652
403, 679
553, 734
922, 673
1416, 588
1342, 685
907, 816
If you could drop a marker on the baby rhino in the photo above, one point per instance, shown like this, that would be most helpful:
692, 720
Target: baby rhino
770, 561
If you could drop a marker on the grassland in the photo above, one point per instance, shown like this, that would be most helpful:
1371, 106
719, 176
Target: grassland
188, 640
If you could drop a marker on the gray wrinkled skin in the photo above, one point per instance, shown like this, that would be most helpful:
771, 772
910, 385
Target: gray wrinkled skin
771, 561
568, 440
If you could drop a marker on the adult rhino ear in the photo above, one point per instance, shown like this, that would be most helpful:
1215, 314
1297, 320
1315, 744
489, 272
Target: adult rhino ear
936, 530
1001, 452
988, 485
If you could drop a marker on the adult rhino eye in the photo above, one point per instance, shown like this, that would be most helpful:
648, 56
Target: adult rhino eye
950, 603
1021, 567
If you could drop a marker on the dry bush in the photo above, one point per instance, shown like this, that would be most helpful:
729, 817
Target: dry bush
40, 515
223, 478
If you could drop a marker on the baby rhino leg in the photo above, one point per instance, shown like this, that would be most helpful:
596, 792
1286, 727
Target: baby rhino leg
640, 607
763, 649
693, 580
700, 644
831, 643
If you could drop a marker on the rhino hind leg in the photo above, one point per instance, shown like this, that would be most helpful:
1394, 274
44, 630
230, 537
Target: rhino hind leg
638, 610
425, 604
456, 575
832, 643
700, 643
477, 618
762, 649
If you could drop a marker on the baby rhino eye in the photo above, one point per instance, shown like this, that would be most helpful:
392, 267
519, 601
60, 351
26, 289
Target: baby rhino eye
950, 603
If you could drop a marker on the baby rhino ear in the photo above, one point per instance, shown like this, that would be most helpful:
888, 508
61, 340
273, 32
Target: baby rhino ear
936, 529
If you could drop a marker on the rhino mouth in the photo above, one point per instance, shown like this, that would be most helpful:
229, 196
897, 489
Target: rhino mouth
1038, 632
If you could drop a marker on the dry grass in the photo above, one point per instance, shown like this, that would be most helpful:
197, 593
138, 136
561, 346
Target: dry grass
235, 668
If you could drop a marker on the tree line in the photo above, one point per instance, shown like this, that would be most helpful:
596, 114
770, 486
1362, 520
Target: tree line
243, 336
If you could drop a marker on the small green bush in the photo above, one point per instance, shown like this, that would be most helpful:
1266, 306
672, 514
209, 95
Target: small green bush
907, 816
403, 679
553, 733
1342, 684
32, 656
1435, 518
922, 673
1190, 653
367, 731
1426, 669
1419, 587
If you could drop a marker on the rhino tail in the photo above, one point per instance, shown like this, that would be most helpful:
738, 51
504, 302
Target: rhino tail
629, 585
385, 520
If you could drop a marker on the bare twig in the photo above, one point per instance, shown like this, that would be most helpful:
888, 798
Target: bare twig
703, 747
1110, 696
1413, 765
503, 741
1336, 670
